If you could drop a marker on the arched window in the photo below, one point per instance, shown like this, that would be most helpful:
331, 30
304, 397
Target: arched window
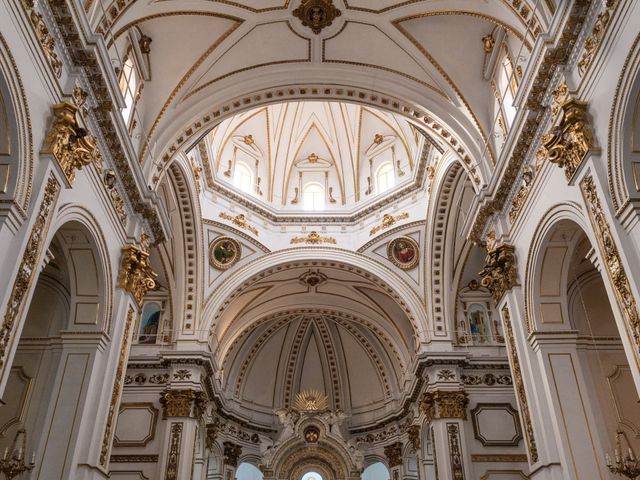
385, 178
242, 177
375, 471
313, 196
246, 471
128, 85
508, 85
311, 476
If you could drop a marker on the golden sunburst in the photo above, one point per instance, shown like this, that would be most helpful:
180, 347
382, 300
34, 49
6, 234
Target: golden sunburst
311, 400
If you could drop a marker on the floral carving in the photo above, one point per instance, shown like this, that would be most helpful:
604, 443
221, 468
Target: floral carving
136, 275
177, 403
451, 404
387, 221
231, 453
414, 437
314, 238
70, 144
568, 143
240, 221
28, 266
499, 273
316, 14
44, 37
597, 34
393, 453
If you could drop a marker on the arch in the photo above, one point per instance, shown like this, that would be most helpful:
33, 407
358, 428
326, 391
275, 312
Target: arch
243, 177
313, 196
248, 471
624, 133
370, 269
385, 177
16, 147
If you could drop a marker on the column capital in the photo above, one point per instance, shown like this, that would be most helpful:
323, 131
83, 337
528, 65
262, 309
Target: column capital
499, 273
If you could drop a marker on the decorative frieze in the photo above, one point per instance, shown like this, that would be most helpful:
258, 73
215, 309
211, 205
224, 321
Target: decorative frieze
118, 384
388, 221
28, 268
488, 379
109, 180
133, 459
613, 263
444, 404
501, 458
521, 394
594, 40
70, 144
314, 238
136, 275
211, 433
231, 453
393, 453
45, 38
499, 273
239, 221
567, 143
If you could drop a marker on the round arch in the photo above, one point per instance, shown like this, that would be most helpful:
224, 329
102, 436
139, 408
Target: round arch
405, 297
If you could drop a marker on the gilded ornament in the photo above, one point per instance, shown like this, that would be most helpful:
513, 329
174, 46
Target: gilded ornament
212, 430
175, 439
136, 275
311, 434
427, 406
451, 404
44, 37
594, 40
313, 238
499, 273
177, 403
393, 453
240, 221
387, 221
453, 434
224, 252
521, 393
313, 278
613, 263
414, 437
117, 201
519, 200
316, 14
311, 400
28, 270
70, 144
568, 143
116, 392
231, 453
488, 42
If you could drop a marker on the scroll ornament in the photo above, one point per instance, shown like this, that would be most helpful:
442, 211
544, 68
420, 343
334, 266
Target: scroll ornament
568, 143
499, 273
393, 453
136, 275
70, 144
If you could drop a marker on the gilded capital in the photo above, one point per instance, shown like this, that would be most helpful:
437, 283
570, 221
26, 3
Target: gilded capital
231, 453
136, 275
177, 403
567, 143
451, 404
71, 145
499, 273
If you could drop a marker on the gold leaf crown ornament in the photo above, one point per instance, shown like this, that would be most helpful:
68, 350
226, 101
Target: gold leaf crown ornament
311, 400
316, 14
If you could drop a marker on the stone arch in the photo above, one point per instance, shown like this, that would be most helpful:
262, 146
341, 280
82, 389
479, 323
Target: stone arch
624, 133
16, 147
372, 270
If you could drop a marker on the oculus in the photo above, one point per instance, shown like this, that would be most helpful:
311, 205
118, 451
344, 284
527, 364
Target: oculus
403, 252
224, 253
316, 14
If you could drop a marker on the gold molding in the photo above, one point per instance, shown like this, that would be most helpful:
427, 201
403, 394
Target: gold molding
28, 271
46, 40
316, 14
136, 275
240, 221
118, 383
313, 238
499, 273
387, 221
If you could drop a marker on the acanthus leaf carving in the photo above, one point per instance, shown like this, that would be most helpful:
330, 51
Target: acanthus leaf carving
499, 273
136, 275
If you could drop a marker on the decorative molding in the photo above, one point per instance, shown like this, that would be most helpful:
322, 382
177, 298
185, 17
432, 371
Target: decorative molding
151, 433
504, 407
453, 435
413, 435
28, 269
393, 453
136, 275
387, 221
521, 393
444, 404
45, 38
118, 384
182, 403
613, 264
133, 459
594, 40
499, 273
313, 238
69, 143
240, 221
316, 14
173, 460
488, 379
109, 179
500, 458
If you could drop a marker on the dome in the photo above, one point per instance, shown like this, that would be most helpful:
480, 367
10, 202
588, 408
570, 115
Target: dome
314, 156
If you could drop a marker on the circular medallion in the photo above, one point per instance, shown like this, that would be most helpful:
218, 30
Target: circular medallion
403, 252
224, 253
312, 434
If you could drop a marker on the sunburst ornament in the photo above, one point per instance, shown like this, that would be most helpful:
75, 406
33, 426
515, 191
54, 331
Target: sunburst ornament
311, 400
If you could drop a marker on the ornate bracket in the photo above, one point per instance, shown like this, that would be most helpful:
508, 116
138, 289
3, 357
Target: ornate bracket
499, 273
231, 453
69, 143
568, 143
136, 275
393, 453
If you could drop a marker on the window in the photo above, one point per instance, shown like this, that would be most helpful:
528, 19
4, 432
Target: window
128, 85
149, 323
385, 178
242, 177
508, 87
311, 476
313, 196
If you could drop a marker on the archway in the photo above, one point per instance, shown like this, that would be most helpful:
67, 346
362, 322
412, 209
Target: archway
58, 348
